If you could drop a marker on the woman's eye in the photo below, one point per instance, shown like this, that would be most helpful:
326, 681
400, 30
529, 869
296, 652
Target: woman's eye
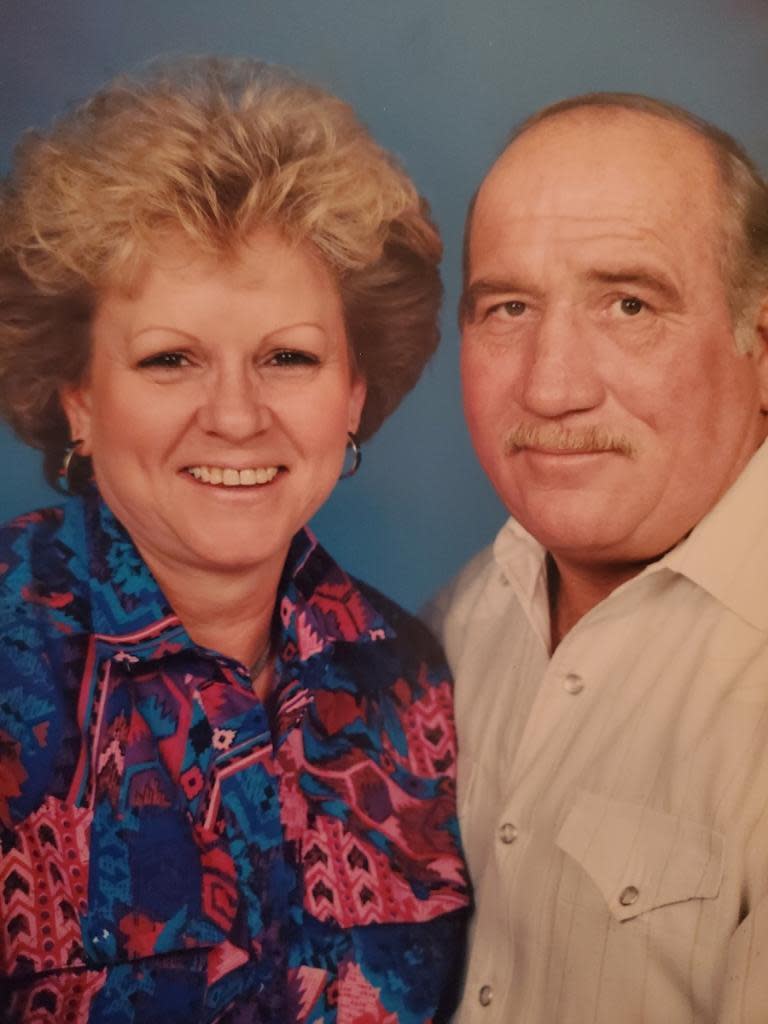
630, 305
165, 360
292, 357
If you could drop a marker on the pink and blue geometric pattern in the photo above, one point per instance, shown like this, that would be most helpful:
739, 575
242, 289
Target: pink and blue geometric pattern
174, 849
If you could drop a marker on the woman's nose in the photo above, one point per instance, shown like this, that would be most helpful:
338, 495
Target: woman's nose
235, 406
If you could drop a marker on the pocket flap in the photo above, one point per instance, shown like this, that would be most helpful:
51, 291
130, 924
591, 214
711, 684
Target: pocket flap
641, 858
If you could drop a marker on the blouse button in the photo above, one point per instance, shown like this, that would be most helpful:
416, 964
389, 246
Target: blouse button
628, 896
508, 832
485, 995
573, 684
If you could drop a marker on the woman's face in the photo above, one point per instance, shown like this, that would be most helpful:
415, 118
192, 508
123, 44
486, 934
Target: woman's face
217, 403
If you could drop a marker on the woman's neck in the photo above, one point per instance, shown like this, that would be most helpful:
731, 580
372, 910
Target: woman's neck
230, 612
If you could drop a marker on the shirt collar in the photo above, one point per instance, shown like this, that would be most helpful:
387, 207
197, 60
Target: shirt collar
127, 606
522, 561
320, 605
726, 554
519, 556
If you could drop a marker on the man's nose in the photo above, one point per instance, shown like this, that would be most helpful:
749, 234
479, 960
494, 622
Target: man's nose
236, 405
561, 375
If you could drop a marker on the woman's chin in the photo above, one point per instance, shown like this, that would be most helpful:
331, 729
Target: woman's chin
235, 553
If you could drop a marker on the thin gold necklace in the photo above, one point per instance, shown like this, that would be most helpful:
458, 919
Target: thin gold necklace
258, 666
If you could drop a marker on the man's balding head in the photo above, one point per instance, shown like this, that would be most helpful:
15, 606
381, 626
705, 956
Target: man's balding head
743, 192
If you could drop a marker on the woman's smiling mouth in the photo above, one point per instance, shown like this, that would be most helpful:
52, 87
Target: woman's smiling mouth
227, 477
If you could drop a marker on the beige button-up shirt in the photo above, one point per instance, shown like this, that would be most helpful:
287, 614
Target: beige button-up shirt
613, 796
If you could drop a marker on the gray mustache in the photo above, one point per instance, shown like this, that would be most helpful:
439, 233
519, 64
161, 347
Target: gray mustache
557, 438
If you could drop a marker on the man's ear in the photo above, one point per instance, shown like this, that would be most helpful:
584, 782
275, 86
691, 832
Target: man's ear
760, 352
76, 403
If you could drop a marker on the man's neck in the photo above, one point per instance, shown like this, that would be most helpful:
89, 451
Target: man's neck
575, 589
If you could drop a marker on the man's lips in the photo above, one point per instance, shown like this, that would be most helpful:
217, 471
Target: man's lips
541, 450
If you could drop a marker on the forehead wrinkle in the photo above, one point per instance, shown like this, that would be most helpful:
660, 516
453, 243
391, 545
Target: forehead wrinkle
641, 276
630, 221
515, 252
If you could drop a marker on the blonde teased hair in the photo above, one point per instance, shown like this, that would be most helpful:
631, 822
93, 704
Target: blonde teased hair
213, 148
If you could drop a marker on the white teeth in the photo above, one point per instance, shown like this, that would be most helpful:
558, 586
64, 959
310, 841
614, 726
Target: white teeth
233, 477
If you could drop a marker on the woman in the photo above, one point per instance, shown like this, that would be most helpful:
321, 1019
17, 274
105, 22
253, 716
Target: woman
226, 786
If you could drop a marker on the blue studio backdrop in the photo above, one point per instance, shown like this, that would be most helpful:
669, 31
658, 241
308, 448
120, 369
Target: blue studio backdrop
441, 83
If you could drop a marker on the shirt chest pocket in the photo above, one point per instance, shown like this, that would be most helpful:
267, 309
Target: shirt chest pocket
158, 884
641, 858
81, 888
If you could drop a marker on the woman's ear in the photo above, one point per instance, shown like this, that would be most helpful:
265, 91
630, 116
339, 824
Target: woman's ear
357, 395
76, 403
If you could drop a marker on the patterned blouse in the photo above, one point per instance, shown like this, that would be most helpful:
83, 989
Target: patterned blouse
174, 849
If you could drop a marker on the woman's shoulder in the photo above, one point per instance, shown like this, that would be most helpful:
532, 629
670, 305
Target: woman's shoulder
41, 646
24, 540
354, 612
409, 630
27, 527
41, 556
44, 604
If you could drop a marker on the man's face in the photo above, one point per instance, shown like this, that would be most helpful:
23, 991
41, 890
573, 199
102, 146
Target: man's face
603, 389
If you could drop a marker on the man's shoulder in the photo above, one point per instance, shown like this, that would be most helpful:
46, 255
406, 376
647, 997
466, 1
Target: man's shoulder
453, 602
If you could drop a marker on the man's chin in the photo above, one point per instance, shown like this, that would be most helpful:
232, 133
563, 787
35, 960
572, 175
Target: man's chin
582, 530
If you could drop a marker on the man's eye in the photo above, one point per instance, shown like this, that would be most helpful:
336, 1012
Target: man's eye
512, 308
165, 360
631, 305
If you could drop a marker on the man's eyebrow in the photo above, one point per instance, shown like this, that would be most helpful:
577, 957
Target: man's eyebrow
655, 281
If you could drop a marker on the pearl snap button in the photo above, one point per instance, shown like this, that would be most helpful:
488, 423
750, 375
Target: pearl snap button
573, 684
628, 896
485, 995
508, 832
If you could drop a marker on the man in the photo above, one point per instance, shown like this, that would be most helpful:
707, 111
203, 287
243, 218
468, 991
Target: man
611, 649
